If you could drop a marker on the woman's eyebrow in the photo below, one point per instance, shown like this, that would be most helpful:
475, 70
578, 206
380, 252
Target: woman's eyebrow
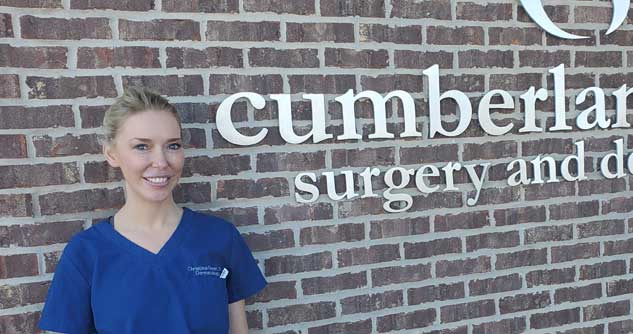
149, 140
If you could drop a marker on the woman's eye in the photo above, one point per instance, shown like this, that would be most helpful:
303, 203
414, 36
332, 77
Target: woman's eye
140, 147
175, 146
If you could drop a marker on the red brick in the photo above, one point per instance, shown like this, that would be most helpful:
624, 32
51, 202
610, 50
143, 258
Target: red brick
606, 310
431, 293
269, 240
471, 310
425, 249
81, 201
92, 116
549, 233
345, 281
20, 323
19, 265
467, 220
618, 37
6, 25
71, 29
32, 3
488, 12
23, 294
621, 327
243, 31
412, 9
100, 171
487, 59
33, 57
231, 189
554, 318
388, 83
172, 85
445, 268
290, 58
600, 270
317, 235
35, 175
229, 164
286, 213
275, 291
234, 83
549, 190
18, 205
13, 146
515, 36
131, 56
295, 161
362, 326
578, 293
159, 30
17, 117
577, 251
70, 87
350, 58
367, 8
522, 215
410, 320
66, 145
254, 319
372, 302
400, 274
598, 59
517, 82
238, 216
381, 33
601, 186
137, 5
325, 84
590, 41
494, 285
422, 59
574, 210
51, 260
620, 287
601, 228
547, 59
505, 326
196, 192
550, 276
204, 6
290, 264
301, 313
367, 255
524, 302
390, 228
320, 32
363, 157
10, 87
455, 36
41, 234
280, 6
618, 247
205, 58
529, 257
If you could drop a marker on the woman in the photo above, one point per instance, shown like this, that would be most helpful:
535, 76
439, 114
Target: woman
152, 267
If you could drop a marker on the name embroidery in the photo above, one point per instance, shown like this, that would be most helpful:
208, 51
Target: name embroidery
209, 271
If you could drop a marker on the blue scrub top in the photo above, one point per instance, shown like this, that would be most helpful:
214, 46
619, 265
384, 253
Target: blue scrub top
105, 283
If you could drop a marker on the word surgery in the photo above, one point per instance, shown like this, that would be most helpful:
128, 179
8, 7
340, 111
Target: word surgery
590, 118
428, 178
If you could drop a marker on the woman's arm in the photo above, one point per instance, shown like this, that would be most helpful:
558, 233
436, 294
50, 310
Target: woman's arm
237, 318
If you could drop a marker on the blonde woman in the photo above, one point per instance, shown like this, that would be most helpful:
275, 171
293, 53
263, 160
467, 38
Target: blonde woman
153, 267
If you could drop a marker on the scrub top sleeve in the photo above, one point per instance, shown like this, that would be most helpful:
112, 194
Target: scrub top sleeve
244, 278
67, 308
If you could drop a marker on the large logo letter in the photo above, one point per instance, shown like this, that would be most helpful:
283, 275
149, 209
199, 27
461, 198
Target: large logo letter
535, 9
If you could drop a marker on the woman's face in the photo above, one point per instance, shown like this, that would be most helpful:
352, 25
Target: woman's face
148, 149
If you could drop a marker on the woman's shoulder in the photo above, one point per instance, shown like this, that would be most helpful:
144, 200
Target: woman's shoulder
210, 221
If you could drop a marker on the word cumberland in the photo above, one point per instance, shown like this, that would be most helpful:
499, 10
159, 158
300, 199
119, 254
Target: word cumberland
594, 116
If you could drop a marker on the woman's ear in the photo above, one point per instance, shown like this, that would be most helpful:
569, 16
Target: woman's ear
111, 155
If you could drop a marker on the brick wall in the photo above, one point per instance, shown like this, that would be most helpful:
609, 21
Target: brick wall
552, 258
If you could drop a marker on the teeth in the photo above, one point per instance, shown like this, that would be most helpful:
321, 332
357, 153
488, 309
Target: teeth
157, 179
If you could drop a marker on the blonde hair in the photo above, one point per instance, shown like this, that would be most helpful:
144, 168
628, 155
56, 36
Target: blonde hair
133, 100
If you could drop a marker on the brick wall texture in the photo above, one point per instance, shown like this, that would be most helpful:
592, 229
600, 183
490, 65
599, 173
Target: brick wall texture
551, 258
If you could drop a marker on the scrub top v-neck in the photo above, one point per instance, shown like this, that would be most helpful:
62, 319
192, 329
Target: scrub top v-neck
105, 283
172, 243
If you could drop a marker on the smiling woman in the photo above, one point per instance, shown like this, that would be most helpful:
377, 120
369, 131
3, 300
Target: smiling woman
132, 273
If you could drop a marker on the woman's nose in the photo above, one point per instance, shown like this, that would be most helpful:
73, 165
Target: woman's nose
159, 159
